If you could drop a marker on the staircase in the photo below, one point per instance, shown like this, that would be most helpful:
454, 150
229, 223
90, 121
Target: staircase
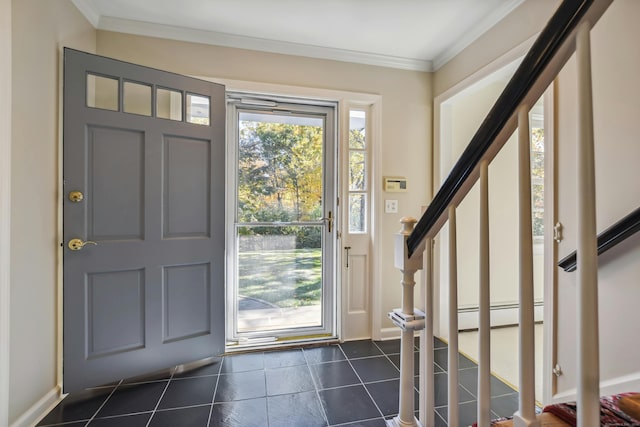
567, 32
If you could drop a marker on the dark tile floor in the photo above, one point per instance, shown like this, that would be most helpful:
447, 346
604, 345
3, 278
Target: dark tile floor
351, 384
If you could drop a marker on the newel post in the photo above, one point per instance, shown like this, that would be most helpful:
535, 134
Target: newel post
409, 320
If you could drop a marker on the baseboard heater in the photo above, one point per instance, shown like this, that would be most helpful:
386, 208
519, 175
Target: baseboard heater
501, 315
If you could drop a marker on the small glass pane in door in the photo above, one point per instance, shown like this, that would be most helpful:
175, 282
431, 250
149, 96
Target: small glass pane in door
169, 104
102, 92
198, 109
137, 99
357, 213
357, 170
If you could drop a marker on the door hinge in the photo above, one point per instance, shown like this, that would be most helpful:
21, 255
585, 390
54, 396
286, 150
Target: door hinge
557, 370
557, 232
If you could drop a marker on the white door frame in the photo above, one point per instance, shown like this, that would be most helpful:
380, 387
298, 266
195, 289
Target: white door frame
5, 205
344, 99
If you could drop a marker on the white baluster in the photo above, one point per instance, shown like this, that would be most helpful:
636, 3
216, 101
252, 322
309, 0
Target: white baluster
526, 415
453, 322
427, 391
587, 256
484, 332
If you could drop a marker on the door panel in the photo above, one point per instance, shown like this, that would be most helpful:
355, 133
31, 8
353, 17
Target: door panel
149, 293
109, 150
186, 183
358, 291
186, 301
115, 301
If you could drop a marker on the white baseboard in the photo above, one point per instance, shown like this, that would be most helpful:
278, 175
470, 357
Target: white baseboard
621, 384
39, 409
365, 337
389, 333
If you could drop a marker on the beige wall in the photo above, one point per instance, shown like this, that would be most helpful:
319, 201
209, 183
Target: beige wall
503, 193
460, 117
40, 29
520, 25
406, 112
465, 113
616, 64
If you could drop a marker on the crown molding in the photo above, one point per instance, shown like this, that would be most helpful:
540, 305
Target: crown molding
475, 32
288, 48
85, 7
252, 43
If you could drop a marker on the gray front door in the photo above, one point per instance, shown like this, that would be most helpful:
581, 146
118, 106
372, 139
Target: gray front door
143, 172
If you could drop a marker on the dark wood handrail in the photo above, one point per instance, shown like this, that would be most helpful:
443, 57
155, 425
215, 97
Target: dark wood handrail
499, 123
610, 237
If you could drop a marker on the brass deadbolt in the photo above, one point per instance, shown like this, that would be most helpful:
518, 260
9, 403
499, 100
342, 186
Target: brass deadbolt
76, 196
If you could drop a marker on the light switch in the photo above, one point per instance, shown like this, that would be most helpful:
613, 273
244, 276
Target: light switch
391, 206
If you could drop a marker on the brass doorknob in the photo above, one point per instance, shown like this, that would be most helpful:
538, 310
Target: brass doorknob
78, 244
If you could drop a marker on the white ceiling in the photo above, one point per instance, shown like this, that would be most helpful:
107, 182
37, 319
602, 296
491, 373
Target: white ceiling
407, 34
